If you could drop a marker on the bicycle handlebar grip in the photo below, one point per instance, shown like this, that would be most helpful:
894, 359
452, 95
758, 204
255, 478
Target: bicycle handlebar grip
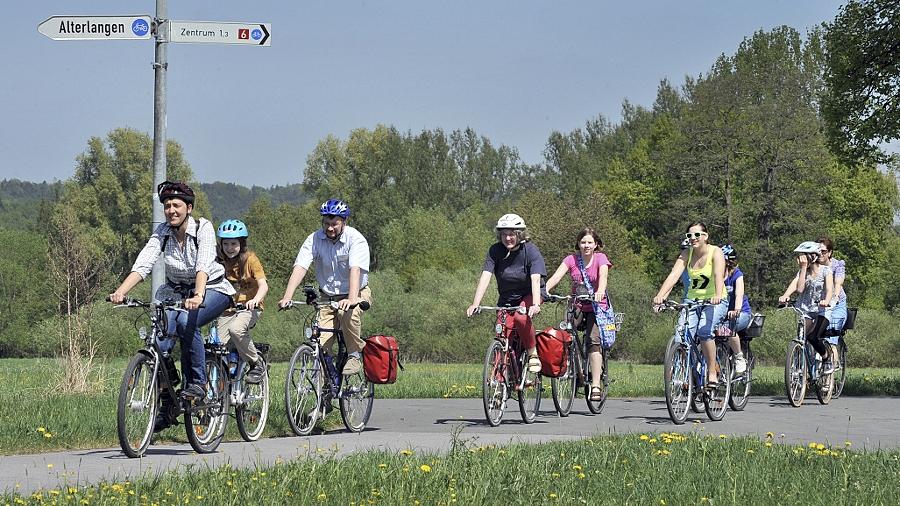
364, 305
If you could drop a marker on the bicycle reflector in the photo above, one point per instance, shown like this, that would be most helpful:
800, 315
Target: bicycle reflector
308, 332
499, 328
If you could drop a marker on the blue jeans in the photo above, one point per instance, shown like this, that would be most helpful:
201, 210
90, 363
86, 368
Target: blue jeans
705, 321
186, 325
836, 317
741, 322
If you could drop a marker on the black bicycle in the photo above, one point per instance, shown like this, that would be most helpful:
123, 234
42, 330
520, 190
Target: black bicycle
841, 372
579, 374
147, 380
313, 377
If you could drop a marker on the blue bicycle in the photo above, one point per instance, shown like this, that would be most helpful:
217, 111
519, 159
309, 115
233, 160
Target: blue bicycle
685, 368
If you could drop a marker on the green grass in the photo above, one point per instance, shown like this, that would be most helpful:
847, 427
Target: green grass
88, 420
653, 469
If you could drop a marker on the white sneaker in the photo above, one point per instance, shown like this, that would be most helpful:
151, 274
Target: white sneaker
740, 364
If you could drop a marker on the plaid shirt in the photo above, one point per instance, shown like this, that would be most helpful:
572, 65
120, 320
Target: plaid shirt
183, 263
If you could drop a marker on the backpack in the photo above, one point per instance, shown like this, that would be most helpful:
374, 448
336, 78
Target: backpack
200, 222
381, 359
553, 350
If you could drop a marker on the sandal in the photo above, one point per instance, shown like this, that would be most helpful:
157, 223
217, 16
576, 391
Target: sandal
534, 364
712, 385
596, 394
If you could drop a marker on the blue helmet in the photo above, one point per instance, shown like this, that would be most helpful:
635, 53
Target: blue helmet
335, 207
232, 229
729, 252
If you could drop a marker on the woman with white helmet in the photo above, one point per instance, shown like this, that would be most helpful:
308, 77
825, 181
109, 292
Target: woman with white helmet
519, 267
815, 284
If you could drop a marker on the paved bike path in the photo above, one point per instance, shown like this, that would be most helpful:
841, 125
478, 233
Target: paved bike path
425, 425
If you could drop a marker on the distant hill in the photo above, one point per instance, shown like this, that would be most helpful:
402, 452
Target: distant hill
23, 203
229, 200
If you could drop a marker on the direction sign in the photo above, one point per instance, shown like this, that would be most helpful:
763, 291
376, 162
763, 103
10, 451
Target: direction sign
96, 27
255, 34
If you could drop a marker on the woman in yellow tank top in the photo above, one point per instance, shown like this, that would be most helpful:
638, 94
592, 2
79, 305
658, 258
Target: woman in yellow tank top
705, 268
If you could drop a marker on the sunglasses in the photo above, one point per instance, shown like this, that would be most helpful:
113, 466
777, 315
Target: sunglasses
694, 235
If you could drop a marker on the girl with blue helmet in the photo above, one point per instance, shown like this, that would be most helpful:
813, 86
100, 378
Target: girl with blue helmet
245, 273
739, 312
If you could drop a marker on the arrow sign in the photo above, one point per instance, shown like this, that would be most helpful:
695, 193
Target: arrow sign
254, 34
96, 27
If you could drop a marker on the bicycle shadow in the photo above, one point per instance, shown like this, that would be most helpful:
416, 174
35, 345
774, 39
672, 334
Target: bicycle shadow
650, 420
472, 422
151, 452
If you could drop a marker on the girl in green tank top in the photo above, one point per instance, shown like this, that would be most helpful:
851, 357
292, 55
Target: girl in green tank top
705, 267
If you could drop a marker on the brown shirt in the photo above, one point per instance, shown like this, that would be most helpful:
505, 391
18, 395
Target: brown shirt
246, 284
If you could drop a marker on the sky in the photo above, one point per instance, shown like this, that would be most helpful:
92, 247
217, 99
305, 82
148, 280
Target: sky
514, 71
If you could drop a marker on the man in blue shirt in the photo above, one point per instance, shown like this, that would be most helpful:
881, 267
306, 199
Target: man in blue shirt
340, 256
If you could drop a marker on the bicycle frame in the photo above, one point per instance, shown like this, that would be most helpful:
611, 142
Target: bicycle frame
688, 337
809, 353
509, 339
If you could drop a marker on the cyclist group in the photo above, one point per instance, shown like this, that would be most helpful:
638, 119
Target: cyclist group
211, 277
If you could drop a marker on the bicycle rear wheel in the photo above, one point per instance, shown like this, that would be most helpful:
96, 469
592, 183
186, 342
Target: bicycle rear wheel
795, 374
356, 398
677, 380
253, 410
595, 407
531, 392
740, 384
494, 390
716, 400
303, 390
563, 387
841, 374
137, 406
205, 419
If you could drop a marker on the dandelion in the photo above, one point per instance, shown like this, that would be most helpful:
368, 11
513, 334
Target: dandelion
644, 437
580, 476
768, 444
652, 440
848, 444
553, 495
751, 451
41, 429
48, 435
49, 466
576, 467
770, 435
382, 465
722, 436
555, 475
406, 453
54, 492
425, 468
321, 497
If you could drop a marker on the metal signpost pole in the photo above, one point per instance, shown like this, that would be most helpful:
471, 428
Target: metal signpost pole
159, 138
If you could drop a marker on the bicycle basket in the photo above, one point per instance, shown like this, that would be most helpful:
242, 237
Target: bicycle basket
850, 322
755, 329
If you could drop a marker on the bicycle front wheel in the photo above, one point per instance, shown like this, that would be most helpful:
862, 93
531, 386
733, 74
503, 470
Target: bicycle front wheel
596, 406
357, 396
677, 380
493, 383
138, 405
795, 374
740, 383
563, 387
530, 393
205, 419
303, 390
716, 399
840, 374
825, 382
253, 410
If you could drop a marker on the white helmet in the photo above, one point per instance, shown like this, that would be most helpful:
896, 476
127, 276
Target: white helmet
808, 247
511, 221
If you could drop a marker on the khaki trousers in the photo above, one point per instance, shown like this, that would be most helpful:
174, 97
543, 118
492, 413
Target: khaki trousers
349, 322
234, 330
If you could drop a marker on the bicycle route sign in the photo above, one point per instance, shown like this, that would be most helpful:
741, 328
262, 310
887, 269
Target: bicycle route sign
215, 32
97, 27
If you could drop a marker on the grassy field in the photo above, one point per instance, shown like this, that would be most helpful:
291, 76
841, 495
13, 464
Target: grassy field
647, 469
36, 418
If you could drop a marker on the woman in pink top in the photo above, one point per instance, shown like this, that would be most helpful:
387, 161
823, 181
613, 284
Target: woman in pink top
596, 265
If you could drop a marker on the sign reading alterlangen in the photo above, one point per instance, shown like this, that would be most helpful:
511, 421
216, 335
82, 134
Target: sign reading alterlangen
96, 27
255, 34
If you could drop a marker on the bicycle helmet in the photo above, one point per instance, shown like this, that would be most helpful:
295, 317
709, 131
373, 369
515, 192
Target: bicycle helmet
167, 190
510, 221
335, 207
232, 229
729, 252
808, 247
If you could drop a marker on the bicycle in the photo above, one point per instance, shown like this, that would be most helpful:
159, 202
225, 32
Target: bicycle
579, 373
250, 400
842, 351
802, 366
506, 370
740, 383
685, 367
145, 382
313, 380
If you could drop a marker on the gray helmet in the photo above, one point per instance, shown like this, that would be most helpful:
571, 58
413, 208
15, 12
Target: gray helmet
808, 247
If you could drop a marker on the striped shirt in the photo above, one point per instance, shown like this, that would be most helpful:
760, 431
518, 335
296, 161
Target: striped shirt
333, 259
183, 262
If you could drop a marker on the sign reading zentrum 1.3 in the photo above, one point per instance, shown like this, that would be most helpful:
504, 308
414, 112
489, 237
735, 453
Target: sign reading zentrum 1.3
255, 34
96, 27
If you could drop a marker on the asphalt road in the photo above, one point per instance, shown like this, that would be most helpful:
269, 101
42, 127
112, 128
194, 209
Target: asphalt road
869, 423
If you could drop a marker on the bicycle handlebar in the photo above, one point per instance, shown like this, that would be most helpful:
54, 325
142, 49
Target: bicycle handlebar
576, 298
678, 306
169, 304
518, 309
364, 305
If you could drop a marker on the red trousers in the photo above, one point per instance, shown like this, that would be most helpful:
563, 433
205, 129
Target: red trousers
522, 324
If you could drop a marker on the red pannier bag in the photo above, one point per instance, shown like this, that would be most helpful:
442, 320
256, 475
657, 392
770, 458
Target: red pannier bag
552, 348
381, 359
